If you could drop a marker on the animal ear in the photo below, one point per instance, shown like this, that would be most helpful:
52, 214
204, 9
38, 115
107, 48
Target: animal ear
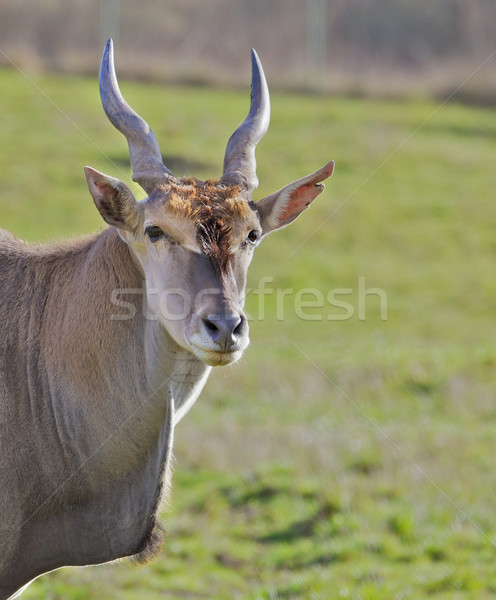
114, 200
282, 207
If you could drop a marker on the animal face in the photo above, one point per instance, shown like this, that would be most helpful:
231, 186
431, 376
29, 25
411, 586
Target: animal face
194, 241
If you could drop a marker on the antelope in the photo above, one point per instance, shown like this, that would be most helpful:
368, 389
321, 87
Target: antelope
88, 400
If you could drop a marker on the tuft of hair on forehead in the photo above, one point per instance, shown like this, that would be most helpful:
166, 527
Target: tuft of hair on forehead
191, 194
213, 208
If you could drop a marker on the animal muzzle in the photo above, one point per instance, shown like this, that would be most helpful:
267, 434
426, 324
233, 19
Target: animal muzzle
219, 339
228, 332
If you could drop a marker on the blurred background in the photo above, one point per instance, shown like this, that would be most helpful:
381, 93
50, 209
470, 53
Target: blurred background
385, 47
350, 453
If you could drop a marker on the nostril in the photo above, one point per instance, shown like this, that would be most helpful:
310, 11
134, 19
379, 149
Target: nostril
239, 327
210, 326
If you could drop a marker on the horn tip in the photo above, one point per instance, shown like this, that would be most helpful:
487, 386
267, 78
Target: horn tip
255, 59
109, 47
257, 72
107, 67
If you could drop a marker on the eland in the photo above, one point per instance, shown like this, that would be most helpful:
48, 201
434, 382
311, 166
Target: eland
93, 378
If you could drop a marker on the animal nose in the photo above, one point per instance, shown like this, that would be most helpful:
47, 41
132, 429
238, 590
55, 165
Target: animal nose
225, 331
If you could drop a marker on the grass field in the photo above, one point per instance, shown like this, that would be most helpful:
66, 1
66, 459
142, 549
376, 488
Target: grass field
342, 458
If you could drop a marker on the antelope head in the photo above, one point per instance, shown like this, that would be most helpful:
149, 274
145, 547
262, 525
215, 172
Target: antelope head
192, 239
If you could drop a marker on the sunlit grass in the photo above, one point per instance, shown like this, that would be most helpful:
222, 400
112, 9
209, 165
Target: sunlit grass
342, 458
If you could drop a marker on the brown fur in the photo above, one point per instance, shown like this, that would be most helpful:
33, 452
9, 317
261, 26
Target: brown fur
213, 207
190, 193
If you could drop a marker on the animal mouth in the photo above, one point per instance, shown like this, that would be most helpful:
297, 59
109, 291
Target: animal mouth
216, 358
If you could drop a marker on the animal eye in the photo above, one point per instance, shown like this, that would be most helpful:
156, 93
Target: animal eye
253, 236
154, 233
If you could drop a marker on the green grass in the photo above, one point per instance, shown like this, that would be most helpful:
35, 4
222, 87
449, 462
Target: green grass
341, 458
